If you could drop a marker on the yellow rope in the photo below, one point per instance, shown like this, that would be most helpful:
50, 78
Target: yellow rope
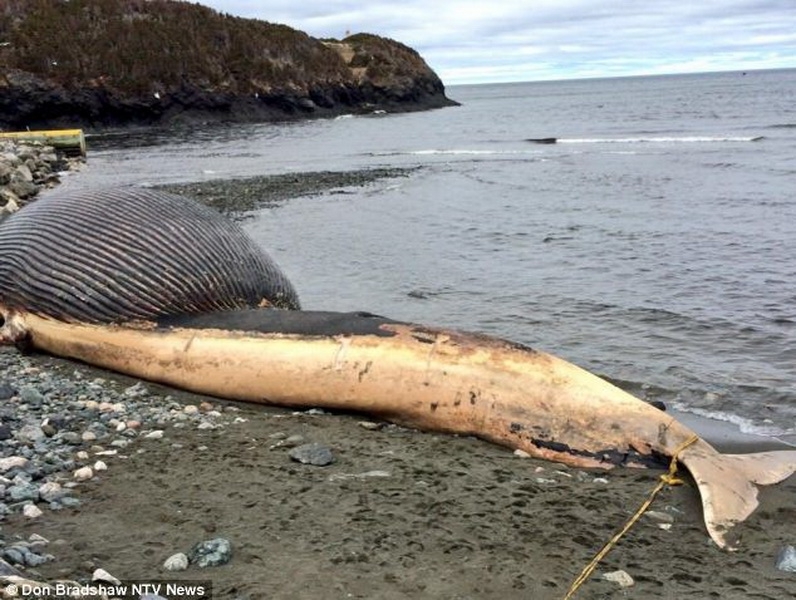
669, 478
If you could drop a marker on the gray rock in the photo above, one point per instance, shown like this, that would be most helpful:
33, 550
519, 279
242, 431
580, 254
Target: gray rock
14, 556
31, 511
83, 474
35, 560
30, 433
52, 425
10, 153
9, 203
69, 437
22, 492
6, 570
293, 440
23, 173
37, 544
24, 555
211, 553
69, 502
176, 562
21, 478
5, 173
12, 462
23, 189
620, 577
103, 576
138, 390
33, 469
6, 391
51, 491
786, 559
312, 454
31, 396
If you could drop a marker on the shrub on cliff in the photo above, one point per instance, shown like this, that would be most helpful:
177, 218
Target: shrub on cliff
157, 45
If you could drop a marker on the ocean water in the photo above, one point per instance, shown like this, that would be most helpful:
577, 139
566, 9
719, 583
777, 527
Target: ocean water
654, 243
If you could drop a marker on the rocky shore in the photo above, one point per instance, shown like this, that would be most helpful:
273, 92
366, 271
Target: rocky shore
235, 198
60, 429
104, 477
26, 169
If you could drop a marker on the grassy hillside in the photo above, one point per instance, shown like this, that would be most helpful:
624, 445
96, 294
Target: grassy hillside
138, 49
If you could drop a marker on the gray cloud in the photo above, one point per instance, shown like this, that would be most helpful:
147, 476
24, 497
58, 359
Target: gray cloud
468, 41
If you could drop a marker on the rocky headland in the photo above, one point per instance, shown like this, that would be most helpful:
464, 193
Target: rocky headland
110, 63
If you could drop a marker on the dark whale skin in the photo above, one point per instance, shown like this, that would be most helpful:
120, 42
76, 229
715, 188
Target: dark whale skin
120, 255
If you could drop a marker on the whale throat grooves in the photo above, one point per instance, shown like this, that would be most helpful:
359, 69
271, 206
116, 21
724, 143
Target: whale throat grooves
132, 254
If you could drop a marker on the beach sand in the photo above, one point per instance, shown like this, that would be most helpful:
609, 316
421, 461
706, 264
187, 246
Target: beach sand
443, 517
399, 514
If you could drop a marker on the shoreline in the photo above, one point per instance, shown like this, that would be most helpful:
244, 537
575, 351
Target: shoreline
399, 514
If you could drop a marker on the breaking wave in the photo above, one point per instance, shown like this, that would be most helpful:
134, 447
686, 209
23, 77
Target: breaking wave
649, 140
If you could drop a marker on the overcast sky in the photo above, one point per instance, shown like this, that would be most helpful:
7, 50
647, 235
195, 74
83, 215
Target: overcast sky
482, 41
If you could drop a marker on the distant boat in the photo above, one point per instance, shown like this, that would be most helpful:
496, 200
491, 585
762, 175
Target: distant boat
548, 140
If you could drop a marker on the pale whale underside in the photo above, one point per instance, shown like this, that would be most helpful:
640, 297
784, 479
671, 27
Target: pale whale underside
159, 287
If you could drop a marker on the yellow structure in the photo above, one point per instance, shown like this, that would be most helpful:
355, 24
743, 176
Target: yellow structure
71, 141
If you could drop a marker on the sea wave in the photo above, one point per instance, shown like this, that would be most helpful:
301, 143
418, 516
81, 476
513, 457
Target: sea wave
468, 151
659, 140
744, 424
454, 152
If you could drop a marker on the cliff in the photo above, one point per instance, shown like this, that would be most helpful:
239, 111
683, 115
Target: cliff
102, 63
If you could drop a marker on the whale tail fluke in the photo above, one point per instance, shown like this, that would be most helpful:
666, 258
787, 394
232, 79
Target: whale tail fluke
728, 486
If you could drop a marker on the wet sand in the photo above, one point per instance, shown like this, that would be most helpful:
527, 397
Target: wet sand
399, 514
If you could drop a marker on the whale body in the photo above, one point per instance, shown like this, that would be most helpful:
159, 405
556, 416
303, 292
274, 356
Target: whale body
208, 325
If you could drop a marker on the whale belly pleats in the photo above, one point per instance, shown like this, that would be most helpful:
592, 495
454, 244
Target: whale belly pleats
132, 254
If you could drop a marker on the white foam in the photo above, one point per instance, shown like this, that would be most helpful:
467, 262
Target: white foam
745, 425
657, 140
468, 151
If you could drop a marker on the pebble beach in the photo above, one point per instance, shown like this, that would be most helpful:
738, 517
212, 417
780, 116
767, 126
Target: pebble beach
104, 478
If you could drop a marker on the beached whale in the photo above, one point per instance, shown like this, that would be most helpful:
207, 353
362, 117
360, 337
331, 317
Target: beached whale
151, 285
